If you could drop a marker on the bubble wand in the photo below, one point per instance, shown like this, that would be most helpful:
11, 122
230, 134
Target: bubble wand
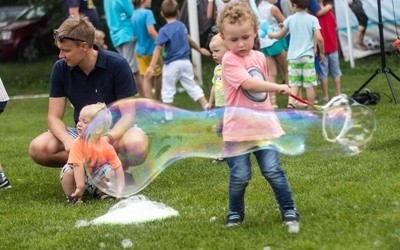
344, 106
306, 102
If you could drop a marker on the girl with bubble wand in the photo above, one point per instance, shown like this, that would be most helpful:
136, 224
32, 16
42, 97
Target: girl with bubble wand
245, 85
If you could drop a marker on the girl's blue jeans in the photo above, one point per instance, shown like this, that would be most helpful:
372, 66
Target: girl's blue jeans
270, 166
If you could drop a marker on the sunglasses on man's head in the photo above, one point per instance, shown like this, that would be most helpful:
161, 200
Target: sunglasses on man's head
62, 37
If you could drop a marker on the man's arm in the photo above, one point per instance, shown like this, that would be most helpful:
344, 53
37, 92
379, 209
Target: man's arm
55, 121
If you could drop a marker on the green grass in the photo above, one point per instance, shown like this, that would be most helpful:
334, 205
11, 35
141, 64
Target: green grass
345, 202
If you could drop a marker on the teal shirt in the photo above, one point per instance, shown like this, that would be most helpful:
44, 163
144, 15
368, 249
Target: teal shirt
118, 17
141, 19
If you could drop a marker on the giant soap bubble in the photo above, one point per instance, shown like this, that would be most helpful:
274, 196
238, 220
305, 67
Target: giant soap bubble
342, 127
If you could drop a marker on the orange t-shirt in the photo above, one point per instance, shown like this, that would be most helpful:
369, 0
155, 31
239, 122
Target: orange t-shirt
94, 155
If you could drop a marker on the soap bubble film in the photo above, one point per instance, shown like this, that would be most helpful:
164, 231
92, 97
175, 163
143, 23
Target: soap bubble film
342, 127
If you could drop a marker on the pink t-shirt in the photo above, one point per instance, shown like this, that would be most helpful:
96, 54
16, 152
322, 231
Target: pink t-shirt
241, 124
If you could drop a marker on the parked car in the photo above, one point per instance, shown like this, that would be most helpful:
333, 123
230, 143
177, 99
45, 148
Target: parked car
29, 35
10, 12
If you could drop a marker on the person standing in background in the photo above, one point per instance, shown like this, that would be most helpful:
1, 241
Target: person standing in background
357, 8
85, 7
118, 17
174, 40
4, 183
331, 59
143, 22
275, 50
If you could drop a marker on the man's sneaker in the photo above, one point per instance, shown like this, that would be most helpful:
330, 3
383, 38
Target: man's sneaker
4, 183
290, 216
234, 218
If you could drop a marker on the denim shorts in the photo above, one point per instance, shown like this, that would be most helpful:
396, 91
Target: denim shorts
330, 64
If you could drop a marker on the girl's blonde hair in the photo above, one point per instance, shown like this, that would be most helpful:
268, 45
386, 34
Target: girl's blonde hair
237, 12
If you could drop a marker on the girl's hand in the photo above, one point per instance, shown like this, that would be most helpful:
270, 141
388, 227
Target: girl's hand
284, 89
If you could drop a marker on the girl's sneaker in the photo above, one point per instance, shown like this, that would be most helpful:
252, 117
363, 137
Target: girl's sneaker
234, 219
290, 216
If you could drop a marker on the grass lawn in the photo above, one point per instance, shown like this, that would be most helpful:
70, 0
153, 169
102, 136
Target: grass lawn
345, 202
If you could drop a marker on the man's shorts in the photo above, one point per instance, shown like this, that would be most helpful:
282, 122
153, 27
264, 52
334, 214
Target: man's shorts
144, 62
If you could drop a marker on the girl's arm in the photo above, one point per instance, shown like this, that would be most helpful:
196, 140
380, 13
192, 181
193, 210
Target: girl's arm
257, 85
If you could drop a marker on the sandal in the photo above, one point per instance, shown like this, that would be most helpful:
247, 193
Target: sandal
103, 196
290, 106
300, 105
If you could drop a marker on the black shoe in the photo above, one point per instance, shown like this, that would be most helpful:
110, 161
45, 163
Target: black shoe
4, 183
234, 219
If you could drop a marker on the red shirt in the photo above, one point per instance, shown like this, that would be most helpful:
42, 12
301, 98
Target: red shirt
328, 31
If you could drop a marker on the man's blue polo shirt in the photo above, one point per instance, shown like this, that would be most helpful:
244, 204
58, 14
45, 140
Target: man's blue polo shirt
110, 80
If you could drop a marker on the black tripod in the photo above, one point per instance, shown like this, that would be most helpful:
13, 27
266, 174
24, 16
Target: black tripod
383, 69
